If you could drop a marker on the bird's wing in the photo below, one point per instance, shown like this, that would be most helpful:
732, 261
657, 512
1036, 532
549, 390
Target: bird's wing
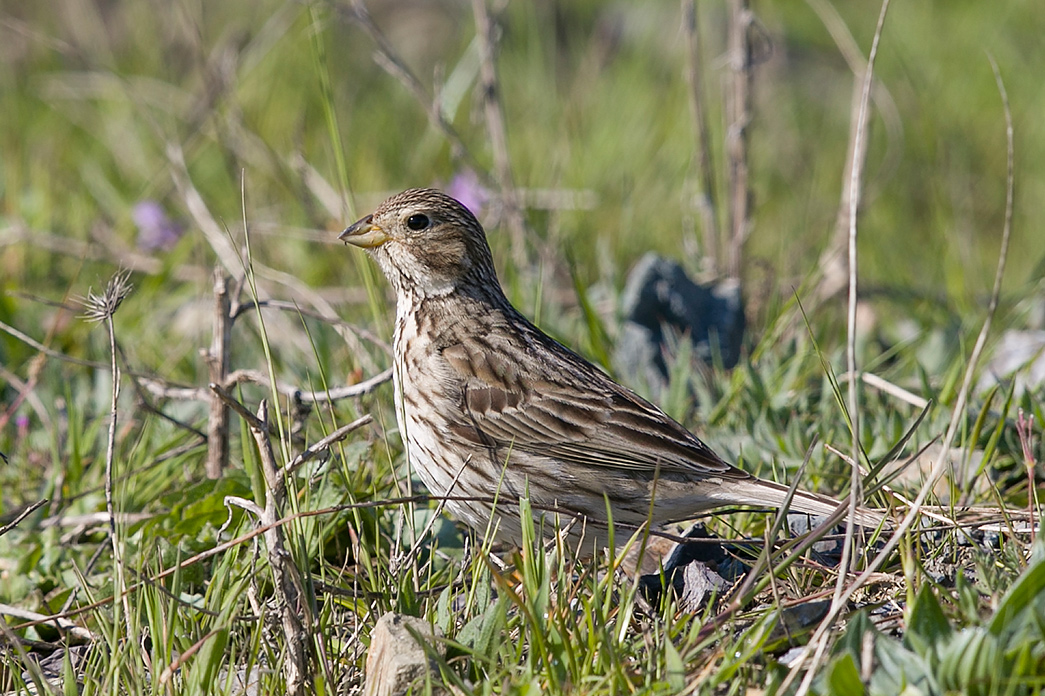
564, 407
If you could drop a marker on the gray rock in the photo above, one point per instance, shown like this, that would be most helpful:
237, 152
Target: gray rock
396, 661
699, 584
661, 305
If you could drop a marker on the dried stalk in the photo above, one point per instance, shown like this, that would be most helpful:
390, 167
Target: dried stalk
217, 359
738, 116
706, 199
497, 131
101, 308
287, 585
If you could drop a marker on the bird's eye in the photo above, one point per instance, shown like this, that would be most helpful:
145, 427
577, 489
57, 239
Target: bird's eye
417, 222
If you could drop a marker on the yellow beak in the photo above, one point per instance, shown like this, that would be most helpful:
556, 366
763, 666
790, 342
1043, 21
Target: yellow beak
364, 234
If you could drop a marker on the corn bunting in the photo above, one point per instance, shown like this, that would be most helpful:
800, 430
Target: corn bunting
491, 408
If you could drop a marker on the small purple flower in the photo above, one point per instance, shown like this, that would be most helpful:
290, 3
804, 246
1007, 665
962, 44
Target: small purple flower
22, 424
465, 187
156, 231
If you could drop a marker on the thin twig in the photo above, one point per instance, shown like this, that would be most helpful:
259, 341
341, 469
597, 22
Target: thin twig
706, 199
840, 595
739, 118
315, 314
496, 130
293, 601
62, 624
884, 385
1025, 432
102, 308
239, 408
853, 391
217, 359
22, 515
159, 388
324, 444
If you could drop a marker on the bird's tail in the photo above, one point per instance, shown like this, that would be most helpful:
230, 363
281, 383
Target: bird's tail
756, 491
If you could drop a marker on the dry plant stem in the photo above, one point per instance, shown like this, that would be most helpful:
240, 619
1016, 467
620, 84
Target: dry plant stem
49, 352
884, 385
159, 388
739, 117
819, 637
840, 594
324, 444
217, 359
853, 392
496, 130
287, 577
834, 271
705, 172
22, 515
101, 308
240, 409
1025, 431
64, 626
110, 456
298, 309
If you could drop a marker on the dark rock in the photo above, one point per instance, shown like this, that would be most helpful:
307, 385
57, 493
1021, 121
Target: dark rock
690, 570
800, 523
661, 304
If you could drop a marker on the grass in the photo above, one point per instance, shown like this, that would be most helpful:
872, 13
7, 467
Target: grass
288, 130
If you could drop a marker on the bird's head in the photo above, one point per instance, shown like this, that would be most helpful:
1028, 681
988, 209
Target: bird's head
426, 243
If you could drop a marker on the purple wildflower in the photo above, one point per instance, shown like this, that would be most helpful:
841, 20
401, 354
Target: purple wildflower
465, 187
156, 231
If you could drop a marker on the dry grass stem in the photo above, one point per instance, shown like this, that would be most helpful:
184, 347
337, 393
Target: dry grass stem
707, 202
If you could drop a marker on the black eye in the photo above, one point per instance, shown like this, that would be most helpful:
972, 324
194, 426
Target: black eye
417, 222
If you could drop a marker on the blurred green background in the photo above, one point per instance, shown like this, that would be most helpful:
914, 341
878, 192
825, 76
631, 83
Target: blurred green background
595, 101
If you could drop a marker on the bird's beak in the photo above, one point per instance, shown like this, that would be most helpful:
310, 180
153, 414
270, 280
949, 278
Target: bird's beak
364, 234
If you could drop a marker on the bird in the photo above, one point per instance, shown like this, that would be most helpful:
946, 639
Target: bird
492, 410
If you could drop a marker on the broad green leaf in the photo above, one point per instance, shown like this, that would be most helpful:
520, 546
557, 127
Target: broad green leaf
843, 677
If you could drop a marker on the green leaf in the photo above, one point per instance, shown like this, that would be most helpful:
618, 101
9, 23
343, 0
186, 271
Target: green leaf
1028, 589
971, 662
674, 669
927, 626
843, 677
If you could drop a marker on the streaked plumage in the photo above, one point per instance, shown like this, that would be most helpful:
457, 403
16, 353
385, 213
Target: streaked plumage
485, 398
